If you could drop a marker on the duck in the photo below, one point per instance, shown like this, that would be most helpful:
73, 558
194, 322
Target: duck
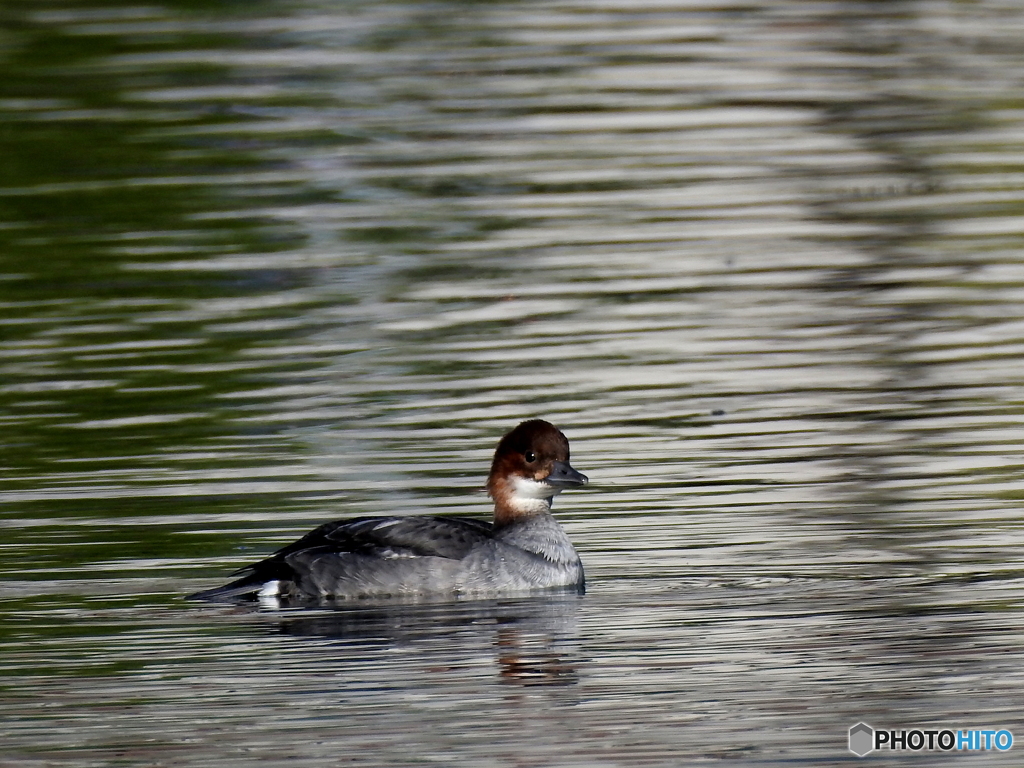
522, 550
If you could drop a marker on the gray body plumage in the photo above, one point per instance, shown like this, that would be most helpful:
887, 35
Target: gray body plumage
409, 556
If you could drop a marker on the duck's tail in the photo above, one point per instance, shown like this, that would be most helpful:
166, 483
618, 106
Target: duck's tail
243, 589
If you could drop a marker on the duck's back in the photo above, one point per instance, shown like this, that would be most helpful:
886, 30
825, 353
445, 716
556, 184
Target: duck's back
417, 555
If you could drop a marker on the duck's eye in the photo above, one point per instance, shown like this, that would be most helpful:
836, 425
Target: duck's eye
530, 457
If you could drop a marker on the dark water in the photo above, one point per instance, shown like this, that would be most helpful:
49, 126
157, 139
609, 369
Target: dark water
266, 264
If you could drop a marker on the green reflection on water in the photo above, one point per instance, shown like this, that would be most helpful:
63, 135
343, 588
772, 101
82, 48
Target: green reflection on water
93, 179
115, 367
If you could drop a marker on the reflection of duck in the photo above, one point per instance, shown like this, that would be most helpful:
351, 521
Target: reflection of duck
530, 640
526, 658
523, 550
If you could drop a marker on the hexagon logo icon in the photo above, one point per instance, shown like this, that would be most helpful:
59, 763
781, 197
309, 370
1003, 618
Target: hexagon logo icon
862, 739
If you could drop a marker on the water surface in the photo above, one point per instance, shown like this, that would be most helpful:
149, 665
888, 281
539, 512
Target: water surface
272, 264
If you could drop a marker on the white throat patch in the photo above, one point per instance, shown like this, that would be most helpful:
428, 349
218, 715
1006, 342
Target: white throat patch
530, 496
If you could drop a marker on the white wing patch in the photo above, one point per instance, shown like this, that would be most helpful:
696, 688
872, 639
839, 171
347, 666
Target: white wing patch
269, 595
270, 589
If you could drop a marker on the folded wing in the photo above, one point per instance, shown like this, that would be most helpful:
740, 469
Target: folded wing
372, 550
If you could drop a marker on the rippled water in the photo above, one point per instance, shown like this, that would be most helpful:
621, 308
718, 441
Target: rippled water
263, 265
